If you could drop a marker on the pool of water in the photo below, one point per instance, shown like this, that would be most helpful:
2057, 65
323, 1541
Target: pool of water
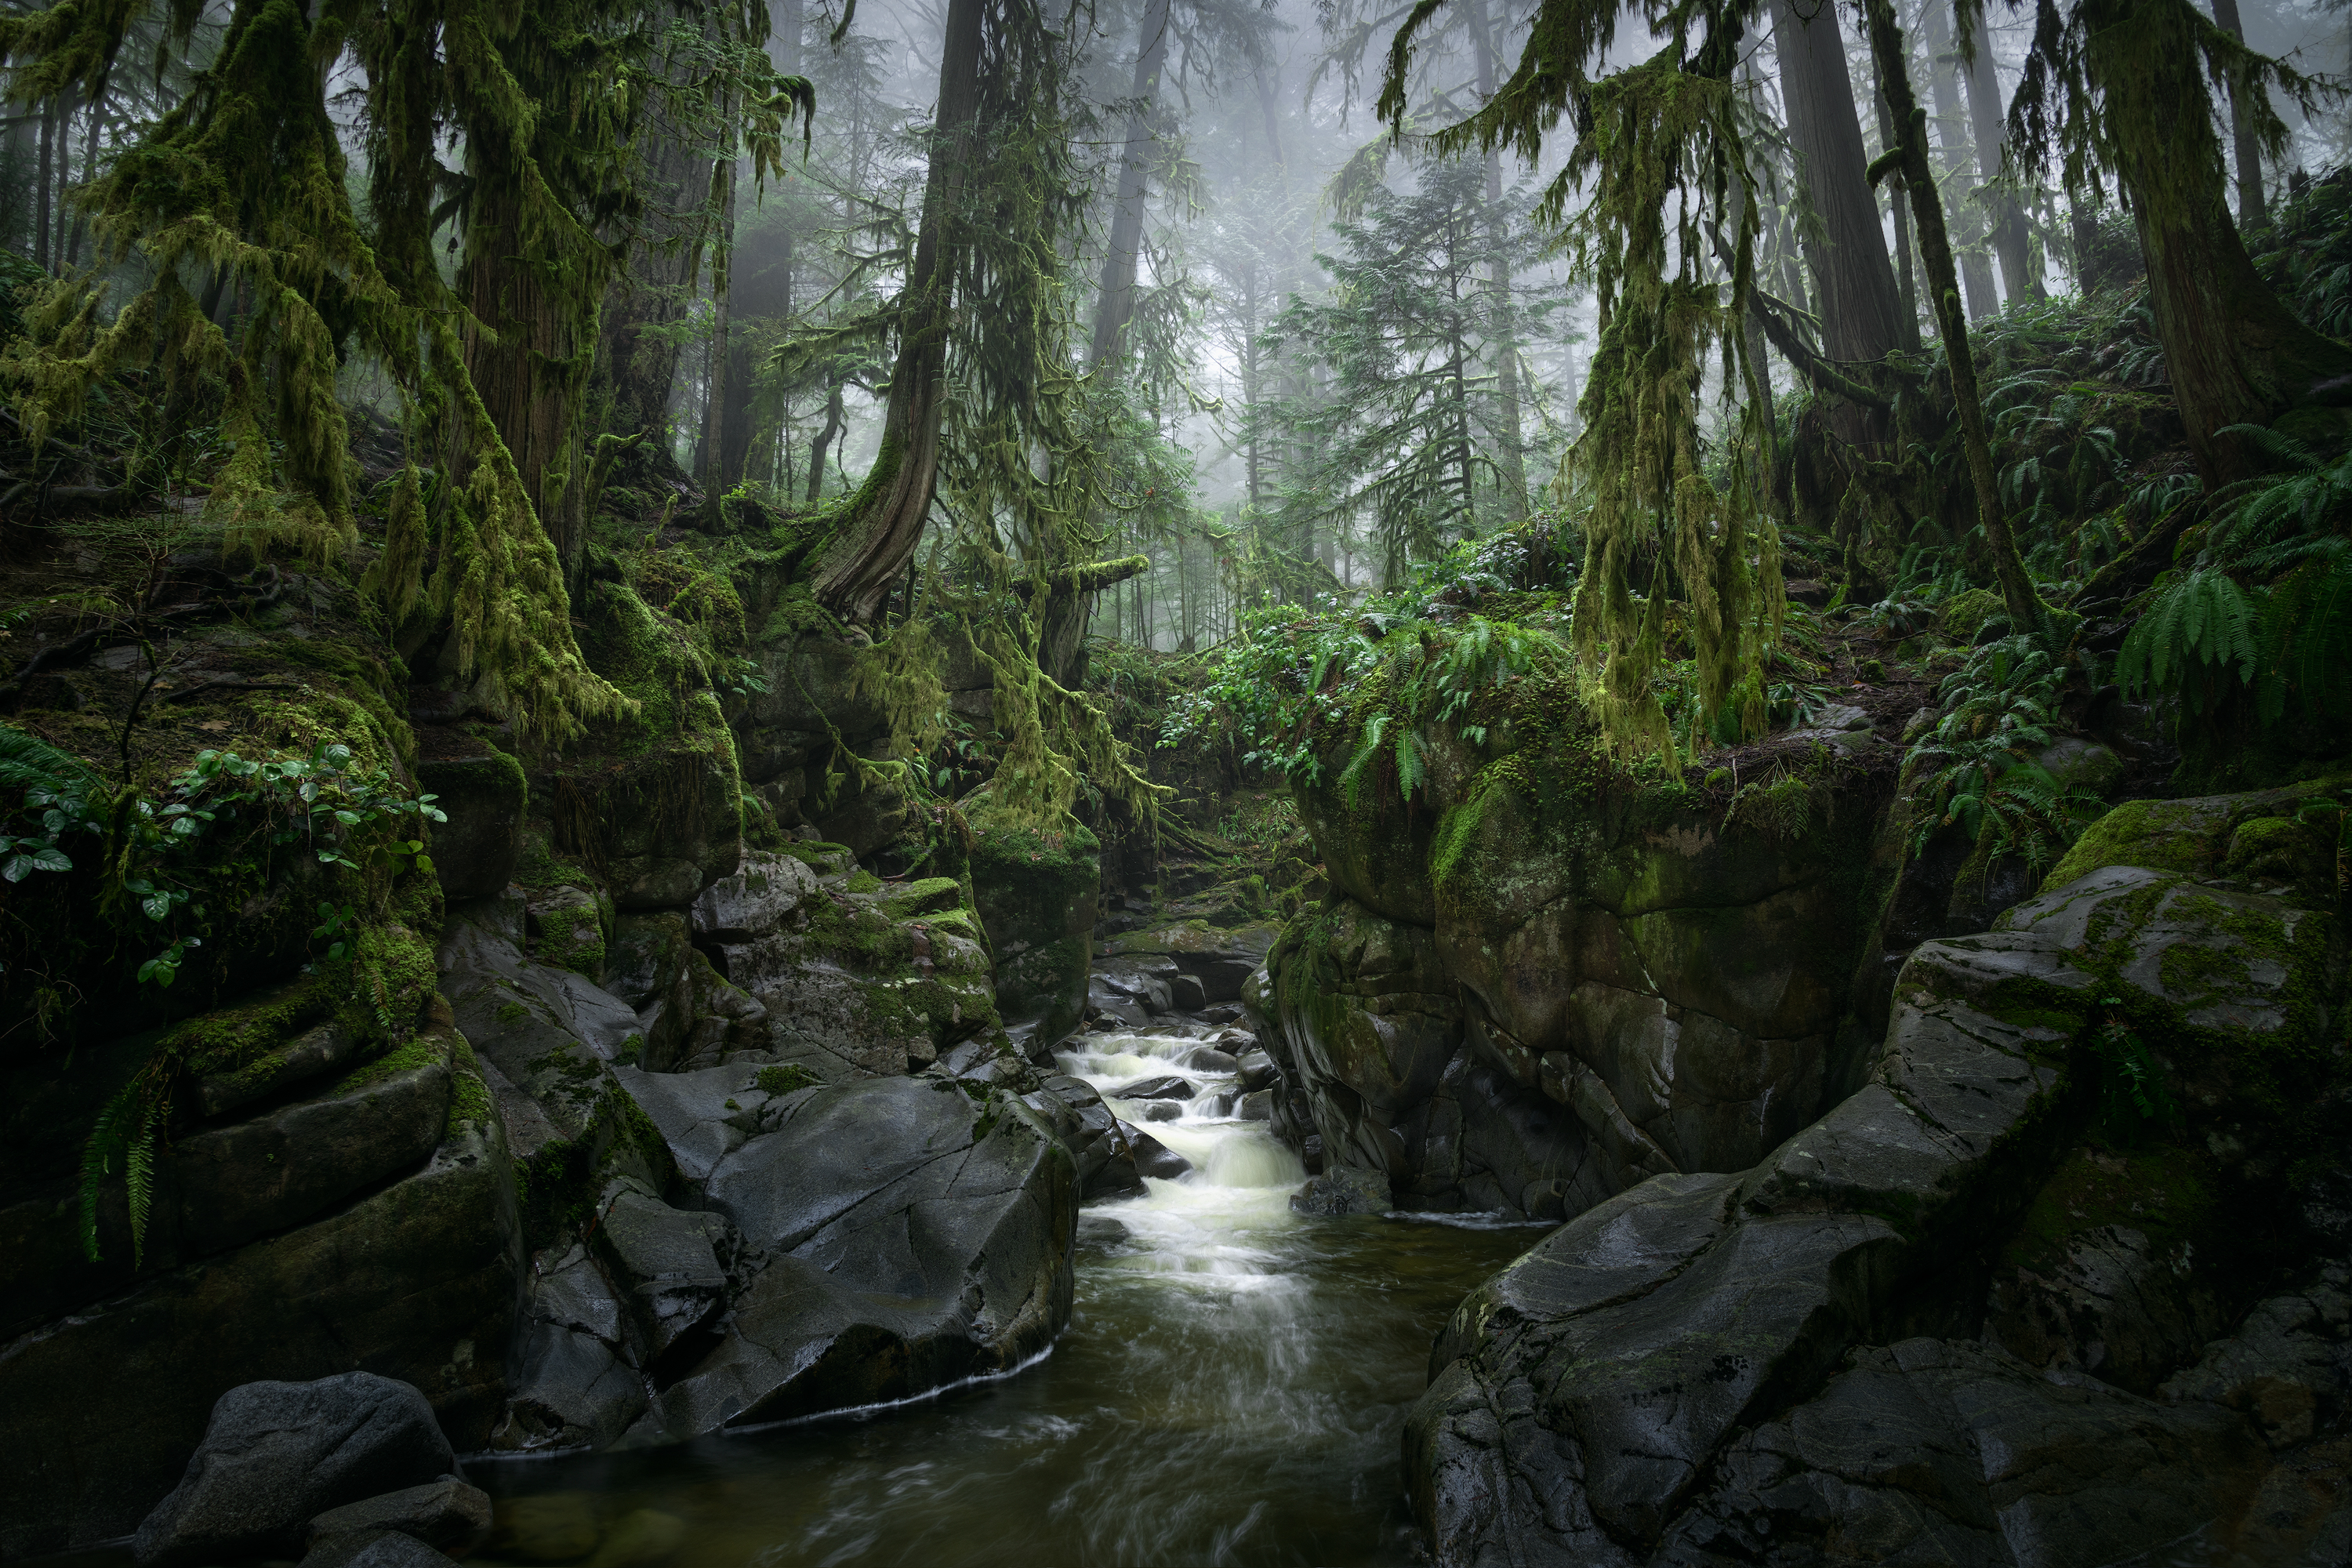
1230, 1389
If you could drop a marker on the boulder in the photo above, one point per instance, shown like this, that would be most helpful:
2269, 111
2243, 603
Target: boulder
372, 1549
1154, 1159
447, 1512
565, 927
415, 1280
1166, 1086
1348, 1190
902, 1235
671, 1266
483, 793
1035, 893
1089, 1131
754, 900
277, 1455
576, 1382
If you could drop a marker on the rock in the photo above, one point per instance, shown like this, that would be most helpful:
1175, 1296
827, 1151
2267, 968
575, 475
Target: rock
1155, 1159
1256, 1071
703, 1116
670, 1264
277, 1455
314, 1052
1167, 1086
1139, 987
1089, 1131
574, 1382
483, 793
447, 1512
1162, 1110
548, 1031
1185, 992
1111, 1008
1208, 1059
373, 1548
1036, 895
1347, 1190
418, 1279
754, 900
646, 956
565, 927
908, 1237
1219, 961
1256, 1106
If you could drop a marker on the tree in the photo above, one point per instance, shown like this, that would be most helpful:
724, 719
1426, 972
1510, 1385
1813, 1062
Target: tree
2118, 87
2020, 277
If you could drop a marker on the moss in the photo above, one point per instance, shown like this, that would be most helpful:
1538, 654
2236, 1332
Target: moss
1965, 614
470, 1102
384, 985
785, 1080
410, 1058
863, 881
2162, 835
572, 936
238, 1037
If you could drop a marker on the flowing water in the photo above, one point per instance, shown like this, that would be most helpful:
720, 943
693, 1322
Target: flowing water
1230, 1389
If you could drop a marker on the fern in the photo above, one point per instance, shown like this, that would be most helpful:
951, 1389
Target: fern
28, 762
126, 1129
1351, 777
1412, 770
2194, 624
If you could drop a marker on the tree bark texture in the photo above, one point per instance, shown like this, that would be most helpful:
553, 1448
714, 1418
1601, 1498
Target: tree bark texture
1513, 463
1115, 300
2236, 355
1861, 314
636, 368
1960, 167
2253, 207
2024, 606
2020, 280
1905, 284
859, 565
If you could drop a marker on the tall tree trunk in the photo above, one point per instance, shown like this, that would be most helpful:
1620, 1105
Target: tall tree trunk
1115, 302
1905, 284
2020, 279
1513, 463
636, 358
1861, 314
716, 480
88, 168
2017, 593
41, 186
1960, 166
2253, 207
832, 423
885, 522
2236, 355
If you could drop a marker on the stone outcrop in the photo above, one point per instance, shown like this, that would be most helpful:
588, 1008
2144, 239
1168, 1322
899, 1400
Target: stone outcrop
1559, 984
1921, 1328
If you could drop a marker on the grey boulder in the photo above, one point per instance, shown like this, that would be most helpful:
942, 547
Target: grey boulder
277, 1455
444, 1514
373, 1548
1351, 1189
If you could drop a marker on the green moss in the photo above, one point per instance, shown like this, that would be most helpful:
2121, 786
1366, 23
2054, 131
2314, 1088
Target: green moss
238, 1037
470, 1103
1965, 614
785, 1080
2163, 836
863, 881
383, 985
410, 1058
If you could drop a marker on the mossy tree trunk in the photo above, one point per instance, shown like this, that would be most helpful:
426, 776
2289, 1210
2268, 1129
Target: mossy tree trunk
861, 563
1936, 259
2235, 353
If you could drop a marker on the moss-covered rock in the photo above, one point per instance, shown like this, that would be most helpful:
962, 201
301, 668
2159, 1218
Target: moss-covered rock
484, 794
1035, 894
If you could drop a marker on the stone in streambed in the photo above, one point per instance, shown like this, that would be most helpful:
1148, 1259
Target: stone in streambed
373, 1548
448, 1512
1153, 1158
1348, 1190
277, 1455
1166, 1087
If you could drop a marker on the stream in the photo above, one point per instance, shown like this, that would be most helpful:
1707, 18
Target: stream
1230, 1389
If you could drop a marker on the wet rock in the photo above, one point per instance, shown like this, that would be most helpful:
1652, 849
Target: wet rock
1208, 1059
277, 1455
1217, 961
671, 1265
550, 1032
754, 900
1256, 1106
372, 1549
1107, 988
1162, 1110
1166, 1086
1345, 1191
646, 956
483, 793
904, 1235
1256, 1071
703, 1116
447, 1512
311, 1053
1036, 895
418, 1279
574, 1382
1155, 1159
1088, 1129
565, 928
1185, 992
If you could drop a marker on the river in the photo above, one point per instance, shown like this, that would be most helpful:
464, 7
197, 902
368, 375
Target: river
1229, 1390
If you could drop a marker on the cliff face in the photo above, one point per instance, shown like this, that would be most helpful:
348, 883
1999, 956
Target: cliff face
1539, 981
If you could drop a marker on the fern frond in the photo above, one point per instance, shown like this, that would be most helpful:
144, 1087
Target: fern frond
28, 762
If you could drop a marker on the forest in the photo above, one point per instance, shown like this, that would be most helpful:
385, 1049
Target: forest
1495, 600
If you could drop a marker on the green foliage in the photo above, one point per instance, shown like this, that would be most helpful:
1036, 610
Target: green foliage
785, 1080
1974, 770
2133, 1095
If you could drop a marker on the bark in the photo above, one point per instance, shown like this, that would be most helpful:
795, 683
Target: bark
2235, 353
1960, 167
716, 479
1905, 284
1115, 302
41, 186
1513, 463
1861, 314
1936, 258
636, 368
2020, 280
834, 417
860, 565
89, 169
2254, 208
